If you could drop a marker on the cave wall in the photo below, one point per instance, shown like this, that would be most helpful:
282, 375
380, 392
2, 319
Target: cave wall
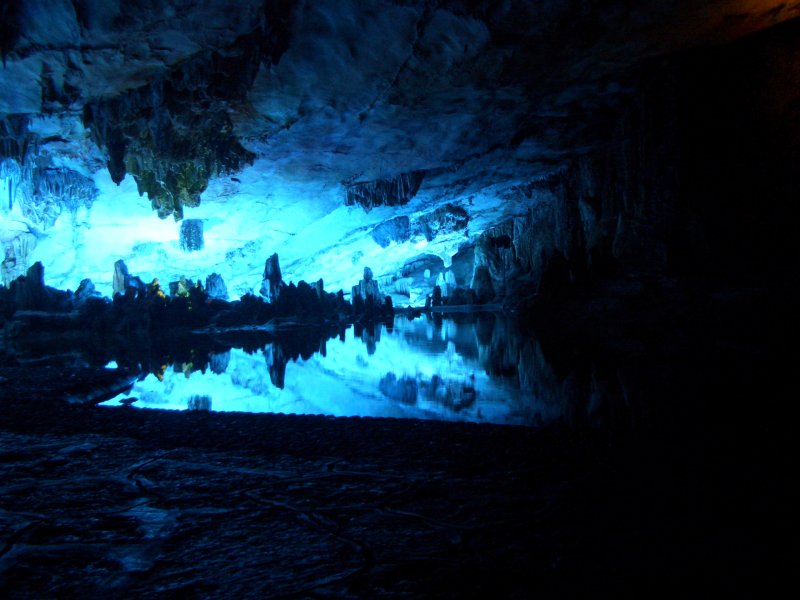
696, 182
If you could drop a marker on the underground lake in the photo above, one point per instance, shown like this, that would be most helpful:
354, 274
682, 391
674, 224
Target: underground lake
476, 367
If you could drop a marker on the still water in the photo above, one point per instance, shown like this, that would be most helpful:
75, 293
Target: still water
471, 367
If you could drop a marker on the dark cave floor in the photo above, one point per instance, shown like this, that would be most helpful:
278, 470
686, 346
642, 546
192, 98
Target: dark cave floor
100, 502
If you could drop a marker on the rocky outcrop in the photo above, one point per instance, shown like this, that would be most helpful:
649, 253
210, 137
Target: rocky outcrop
483, 285
85, 291
272, 281
367, 289
33, 305
30, 292
402, 390
125, 283
121, 277
216, 288
446, 219
199, 402
395, 230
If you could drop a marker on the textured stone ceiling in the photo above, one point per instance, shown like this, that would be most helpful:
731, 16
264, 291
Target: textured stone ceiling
335, 101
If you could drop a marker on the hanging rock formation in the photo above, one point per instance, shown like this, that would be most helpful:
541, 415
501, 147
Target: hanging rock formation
191, 235
395, 191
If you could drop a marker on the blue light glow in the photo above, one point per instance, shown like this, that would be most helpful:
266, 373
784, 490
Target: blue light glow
417, 370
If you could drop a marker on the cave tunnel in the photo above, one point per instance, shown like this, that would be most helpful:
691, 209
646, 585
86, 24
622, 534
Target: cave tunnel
397, 299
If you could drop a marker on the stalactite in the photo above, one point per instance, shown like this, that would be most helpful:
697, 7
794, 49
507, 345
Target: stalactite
9, 170
395, 191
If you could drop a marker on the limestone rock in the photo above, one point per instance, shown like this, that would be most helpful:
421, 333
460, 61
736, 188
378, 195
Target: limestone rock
182, 287
85, 291
216, 288
121, 277
29, 291
272, 280
368, 288
394, 230
495, 257
449, 218
482, 284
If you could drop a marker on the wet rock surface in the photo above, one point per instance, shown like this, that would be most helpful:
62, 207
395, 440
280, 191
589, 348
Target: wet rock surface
119, 501
99, 500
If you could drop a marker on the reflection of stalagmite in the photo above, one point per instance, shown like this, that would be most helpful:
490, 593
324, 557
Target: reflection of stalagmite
220, 362
276, 364
199, 403
402, 390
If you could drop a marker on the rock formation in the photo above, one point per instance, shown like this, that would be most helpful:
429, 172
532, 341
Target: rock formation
215, 287
367, 289
85, 291
272, 281
125, 283
121, 277
30, 292
466, 118
396, 191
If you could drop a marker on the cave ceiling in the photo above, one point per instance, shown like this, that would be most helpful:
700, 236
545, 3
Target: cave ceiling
383, 107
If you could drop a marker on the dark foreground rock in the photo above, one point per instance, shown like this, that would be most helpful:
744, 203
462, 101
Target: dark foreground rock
100, 502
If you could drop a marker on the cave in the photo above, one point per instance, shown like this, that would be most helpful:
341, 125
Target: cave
395, 298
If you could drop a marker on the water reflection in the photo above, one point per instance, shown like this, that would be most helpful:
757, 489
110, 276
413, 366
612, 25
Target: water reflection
472, 367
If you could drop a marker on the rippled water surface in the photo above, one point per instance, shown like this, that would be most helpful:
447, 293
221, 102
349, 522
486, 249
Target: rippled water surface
469, 367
